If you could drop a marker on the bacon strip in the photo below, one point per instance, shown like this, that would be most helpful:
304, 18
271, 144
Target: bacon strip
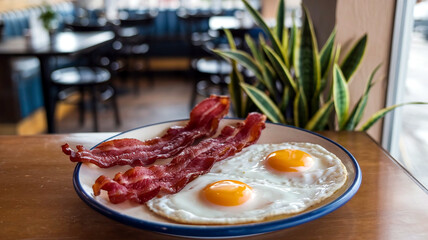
141, 184
204, 120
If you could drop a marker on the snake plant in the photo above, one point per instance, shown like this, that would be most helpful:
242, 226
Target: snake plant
293, 81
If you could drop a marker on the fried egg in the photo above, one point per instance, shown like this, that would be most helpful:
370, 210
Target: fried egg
263, 181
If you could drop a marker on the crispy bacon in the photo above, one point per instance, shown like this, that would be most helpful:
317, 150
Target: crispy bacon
204, 120
141, 184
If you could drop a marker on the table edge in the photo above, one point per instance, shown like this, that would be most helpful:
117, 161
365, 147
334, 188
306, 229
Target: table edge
397, 163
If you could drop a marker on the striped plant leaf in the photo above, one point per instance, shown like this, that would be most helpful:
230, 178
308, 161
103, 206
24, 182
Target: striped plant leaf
315, 104
285, 47
262, 62
335, 61
306, 63
320, 118
358, 111
262, 24
230, 39
264, 103
300, 109
243, 58
292, 44
354, 58
269, 80
326, 54
337, 54
331, 124
280, 67
238, 100
236, 78
262, 42
285, 99
340, 96
280, 19
271, 70
253, 48
381, 113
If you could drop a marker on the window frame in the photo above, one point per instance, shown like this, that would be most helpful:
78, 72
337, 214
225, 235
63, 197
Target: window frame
400, 48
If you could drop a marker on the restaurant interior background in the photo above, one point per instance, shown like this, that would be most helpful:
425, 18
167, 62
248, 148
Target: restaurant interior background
163, 56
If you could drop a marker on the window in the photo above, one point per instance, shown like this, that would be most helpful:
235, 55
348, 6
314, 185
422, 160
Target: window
406, 131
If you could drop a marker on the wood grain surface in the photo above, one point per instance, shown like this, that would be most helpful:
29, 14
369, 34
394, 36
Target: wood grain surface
37, 199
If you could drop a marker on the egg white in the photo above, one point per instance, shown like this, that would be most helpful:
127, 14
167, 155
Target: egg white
250, 163
274, 193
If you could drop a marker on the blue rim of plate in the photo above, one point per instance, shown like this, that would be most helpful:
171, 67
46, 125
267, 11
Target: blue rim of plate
205, 231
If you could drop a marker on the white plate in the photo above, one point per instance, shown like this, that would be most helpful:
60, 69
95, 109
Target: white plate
139, 216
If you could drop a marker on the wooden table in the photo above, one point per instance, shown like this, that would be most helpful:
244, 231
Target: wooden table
37, 199
64, 44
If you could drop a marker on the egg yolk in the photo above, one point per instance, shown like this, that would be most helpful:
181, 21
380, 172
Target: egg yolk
227, 192
290, 160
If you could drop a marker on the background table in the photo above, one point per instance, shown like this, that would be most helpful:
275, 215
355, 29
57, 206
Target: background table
63, 44
37, 199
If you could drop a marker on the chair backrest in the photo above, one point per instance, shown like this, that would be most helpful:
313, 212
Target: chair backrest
138, 20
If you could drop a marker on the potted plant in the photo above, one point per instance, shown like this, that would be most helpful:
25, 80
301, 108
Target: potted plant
49, 20
292, 77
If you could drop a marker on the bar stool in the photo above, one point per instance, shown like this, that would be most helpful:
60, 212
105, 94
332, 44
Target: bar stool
95, 80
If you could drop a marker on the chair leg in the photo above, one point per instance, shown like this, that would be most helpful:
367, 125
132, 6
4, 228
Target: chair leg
136, 83
125, 72
94, 107
223, 85
55, 101
192, 76
135, 77
149, 72
115, 107
82, 106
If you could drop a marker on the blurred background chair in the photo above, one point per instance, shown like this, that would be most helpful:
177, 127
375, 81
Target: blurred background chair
134, 37
208, 71
94, 81
197, 37
89, 77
